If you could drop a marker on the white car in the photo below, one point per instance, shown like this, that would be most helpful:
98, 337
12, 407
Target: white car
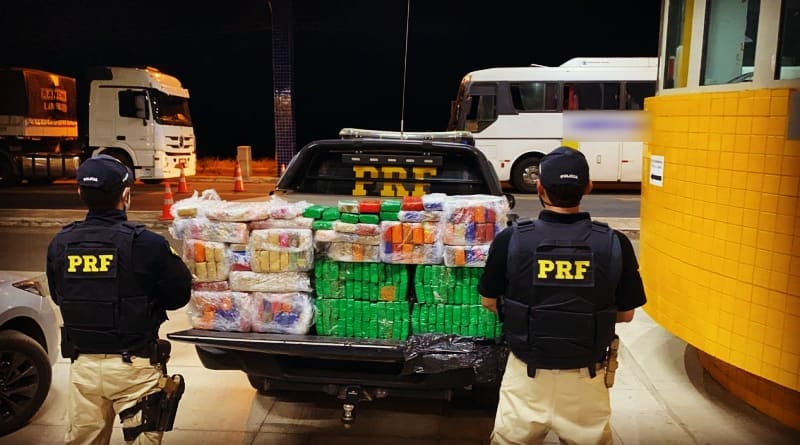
28, 346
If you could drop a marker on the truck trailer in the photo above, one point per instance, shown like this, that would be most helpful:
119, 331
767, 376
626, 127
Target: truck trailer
138, 115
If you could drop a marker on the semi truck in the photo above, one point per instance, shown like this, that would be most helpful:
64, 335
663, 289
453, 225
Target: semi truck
137, 115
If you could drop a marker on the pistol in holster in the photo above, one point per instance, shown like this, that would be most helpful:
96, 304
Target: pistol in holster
611, 362
157, 410
159, 354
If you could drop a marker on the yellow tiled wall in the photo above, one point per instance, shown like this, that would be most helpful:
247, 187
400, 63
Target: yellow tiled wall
720, 240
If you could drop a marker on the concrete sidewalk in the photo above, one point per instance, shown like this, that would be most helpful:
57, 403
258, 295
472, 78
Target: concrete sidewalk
661, 396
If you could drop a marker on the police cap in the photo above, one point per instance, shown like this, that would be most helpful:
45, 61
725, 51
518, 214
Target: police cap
104, 172
564, 166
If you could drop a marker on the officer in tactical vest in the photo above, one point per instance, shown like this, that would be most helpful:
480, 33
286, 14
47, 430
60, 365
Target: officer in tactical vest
563, 281
113, 281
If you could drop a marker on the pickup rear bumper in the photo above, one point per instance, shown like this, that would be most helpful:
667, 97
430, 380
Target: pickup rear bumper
317, 363
334, 348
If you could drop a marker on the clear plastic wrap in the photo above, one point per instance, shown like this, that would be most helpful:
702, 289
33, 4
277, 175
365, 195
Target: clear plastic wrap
362, 319
436, 353
471, 320
207, 260
280, 208
240, 260
360, 281
473, 219
196, 205
215, 286
204, 229
239, 211
436, 284
281, 250
332, 236
352, 252
220, 311
348, 206
466, 256
433, 201
247, 281
300, 222
283, 313
410, 243
418, 216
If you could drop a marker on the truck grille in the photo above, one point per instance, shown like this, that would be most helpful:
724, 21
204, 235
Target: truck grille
180, 142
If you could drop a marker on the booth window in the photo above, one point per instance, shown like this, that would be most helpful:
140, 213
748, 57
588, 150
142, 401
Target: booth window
788, 63
729, 43
676, 57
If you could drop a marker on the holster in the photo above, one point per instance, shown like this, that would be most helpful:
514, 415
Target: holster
68, 350
158, 409
611, 362
159, 354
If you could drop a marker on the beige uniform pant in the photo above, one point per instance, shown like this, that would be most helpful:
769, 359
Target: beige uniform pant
567, 401
102, 385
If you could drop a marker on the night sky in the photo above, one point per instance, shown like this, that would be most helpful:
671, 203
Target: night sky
348, 54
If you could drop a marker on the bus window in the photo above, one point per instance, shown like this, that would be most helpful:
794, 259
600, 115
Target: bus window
611, 96
636, 92
589, 96
534, 96
482, 112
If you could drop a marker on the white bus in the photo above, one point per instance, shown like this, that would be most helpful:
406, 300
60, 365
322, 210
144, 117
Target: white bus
517, 115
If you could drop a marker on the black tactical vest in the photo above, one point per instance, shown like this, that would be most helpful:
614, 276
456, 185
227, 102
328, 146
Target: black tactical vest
105, 310
559, 305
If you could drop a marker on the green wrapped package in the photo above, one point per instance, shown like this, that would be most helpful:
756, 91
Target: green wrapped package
368, 219
315, 211
391, 205
322, 225
330, 214
350, 218
389, 216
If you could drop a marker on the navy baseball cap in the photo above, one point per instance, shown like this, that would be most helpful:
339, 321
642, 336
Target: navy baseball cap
105, 173
564, 166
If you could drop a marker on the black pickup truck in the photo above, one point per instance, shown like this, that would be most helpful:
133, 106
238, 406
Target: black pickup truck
358, 369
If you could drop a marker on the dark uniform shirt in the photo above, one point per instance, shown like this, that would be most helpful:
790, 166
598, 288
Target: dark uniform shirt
158, 268
630, 292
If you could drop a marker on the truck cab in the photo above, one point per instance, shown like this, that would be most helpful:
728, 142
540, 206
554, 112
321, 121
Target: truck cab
141, 116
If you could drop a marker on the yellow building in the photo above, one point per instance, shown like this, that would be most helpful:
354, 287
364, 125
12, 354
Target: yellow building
720, 218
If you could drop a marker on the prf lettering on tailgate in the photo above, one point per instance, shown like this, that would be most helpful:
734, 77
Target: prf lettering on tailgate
388, 180
89, 263
562, 269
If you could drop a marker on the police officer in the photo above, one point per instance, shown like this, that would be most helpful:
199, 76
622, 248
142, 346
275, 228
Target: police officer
564, 281
113, 281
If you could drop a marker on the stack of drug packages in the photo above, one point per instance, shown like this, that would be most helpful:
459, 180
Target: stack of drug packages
447, 299
357, 294
250, 261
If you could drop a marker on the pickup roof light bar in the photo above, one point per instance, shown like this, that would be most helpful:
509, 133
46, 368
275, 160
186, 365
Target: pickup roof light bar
365, 159
464, 137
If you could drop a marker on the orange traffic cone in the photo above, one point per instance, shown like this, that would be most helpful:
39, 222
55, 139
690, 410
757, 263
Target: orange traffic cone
166, 214
182, 187
238, 184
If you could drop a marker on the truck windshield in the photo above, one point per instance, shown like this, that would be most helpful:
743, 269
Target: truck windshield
170, 110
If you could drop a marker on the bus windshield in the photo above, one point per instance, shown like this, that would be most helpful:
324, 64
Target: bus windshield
170, 110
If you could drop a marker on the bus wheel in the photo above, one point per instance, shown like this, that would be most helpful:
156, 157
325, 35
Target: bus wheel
525, 175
